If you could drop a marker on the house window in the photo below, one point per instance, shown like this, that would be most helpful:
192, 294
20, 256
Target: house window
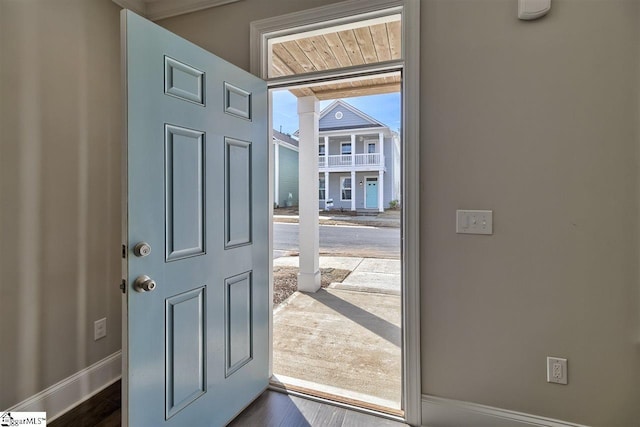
321, 189
371, 147
345, 148
321, 150
345, 188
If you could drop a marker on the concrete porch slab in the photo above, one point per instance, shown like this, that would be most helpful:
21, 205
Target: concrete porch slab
344, 340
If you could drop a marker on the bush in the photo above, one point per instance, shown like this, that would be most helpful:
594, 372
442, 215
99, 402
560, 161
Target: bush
394, 204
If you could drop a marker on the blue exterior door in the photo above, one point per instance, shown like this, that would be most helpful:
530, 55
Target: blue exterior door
195, 242
371, 195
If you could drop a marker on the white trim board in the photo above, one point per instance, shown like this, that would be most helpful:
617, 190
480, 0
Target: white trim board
342, 13
71, 391
441, 412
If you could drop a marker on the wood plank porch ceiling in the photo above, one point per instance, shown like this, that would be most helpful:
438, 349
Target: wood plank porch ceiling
333, 50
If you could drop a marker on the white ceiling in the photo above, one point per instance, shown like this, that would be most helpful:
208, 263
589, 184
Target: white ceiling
160, 9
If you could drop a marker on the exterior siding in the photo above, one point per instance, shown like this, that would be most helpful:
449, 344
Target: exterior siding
335, 143
391, 186
388, 176
288, 177
357, 190
349, 119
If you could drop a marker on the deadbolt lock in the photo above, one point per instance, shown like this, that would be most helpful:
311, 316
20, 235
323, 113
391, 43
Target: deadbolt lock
142, 249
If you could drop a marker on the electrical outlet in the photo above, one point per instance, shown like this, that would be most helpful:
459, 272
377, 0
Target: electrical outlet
100, 329
557, 370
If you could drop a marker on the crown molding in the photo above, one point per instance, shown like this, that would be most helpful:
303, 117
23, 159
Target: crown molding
161, 9
137, 6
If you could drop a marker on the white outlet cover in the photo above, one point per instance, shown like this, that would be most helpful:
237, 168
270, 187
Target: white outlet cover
557, 370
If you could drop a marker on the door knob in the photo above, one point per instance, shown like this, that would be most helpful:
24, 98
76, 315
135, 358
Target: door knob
144, 284
142, 249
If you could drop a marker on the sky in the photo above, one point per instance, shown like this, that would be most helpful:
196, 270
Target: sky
384, 108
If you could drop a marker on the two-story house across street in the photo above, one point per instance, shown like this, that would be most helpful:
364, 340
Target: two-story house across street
358, 160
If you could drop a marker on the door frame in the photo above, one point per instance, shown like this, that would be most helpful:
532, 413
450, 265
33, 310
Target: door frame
409, 65
372, 178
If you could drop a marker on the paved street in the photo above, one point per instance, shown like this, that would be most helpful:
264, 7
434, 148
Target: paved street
355, 241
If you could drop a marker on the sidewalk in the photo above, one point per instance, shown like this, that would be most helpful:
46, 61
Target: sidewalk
372, 275
389, 218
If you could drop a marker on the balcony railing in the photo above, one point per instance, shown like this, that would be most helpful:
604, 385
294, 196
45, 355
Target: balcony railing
347, 160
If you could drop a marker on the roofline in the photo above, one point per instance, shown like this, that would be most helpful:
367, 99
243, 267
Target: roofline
286, 144
351, 108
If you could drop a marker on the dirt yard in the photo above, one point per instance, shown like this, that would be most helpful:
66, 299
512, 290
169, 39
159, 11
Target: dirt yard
285, 281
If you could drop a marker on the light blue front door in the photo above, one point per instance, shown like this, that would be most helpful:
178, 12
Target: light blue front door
371, 196
195, 348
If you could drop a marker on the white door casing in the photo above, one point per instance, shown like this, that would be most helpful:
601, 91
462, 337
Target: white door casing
195, 348
350, 11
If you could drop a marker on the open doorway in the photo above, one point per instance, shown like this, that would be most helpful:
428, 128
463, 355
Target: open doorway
342, 341
303, 74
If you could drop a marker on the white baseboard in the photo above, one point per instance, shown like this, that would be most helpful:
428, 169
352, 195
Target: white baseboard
440, 412
68, 393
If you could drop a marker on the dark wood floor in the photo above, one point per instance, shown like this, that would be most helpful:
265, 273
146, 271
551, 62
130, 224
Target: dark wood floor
271, 409
102, 410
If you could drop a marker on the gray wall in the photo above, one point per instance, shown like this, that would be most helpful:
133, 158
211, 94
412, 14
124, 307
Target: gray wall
59, 190
539, 122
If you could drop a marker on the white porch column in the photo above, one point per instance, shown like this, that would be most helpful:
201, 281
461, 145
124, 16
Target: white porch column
353, 151
326, 152
308, 117
326, 189
326, 174
380, 191
276, 173
354, 187
381, 148
381, 174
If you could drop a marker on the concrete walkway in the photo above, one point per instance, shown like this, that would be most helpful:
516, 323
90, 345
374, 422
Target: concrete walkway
367, 274
344, 340
385, 219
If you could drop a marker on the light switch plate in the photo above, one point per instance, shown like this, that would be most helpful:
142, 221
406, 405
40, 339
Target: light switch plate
100, 329
474, 222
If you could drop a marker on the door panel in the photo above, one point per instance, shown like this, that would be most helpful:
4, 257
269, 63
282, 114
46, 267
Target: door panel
196, 346
238, 330
237, 102
183, 81
185, 195
237, 192
185, 349
371, 195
